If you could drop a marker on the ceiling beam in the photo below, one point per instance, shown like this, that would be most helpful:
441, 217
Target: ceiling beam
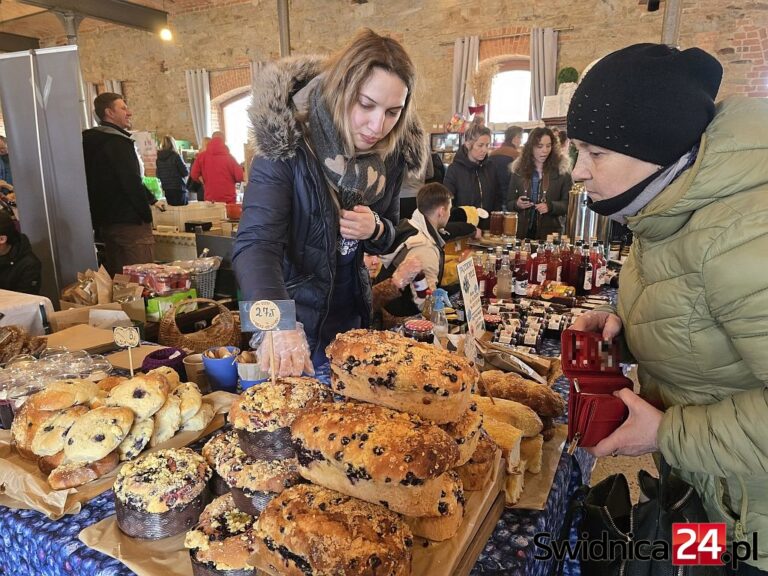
15, 43
114, 11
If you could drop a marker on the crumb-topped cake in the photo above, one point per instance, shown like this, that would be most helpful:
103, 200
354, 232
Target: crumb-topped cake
161, 493
263, 413
253, 482
223, 540
267, 407
312, 530
376, 454
394, 371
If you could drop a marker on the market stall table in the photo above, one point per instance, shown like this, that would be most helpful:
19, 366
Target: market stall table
34, 545
23, 310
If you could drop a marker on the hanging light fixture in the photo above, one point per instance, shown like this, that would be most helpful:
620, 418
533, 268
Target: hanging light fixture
165, 33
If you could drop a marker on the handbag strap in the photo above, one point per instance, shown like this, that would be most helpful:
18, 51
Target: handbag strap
576, 504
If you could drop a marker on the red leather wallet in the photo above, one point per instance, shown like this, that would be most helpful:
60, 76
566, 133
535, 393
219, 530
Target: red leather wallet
591, 364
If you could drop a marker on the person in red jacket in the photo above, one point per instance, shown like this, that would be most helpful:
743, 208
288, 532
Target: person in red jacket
218, 170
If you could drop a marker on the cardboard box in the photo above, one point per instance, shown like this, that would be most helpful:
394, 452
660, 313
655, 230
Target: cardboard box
159, 305
72, 313
83, 337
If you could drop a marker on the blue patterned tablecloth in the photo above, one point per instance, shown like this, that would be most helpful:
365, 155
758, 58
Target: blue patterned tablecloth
32, 545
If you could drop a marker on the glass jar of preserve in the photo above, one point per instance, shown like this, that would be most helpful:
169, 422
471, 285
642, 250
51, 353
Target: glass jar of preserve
419, 330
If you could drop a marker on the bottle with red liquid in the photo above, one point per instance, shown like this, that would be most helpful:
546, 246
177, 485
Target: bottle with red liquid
521, 274
573, 265
554, 265
420, 285
584, 277
544, 258
490, 275
602, 264
565, 262
532, 248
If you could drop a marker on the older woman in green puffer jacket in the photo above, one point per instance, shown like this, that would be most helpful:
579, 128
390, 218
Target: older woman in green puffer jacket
690, 179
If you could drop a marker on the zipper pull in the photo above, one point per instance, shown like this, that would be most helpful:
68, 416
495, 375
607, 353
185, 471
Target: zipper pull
574, 444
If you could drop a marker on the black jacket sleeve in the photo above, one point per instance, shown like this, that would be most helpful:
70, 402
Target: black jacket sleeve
557, 200
264, 229
181, 167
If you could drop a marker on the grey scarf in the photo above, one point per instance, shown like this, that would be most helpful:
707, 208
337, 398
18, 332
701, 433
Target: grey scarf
357, 180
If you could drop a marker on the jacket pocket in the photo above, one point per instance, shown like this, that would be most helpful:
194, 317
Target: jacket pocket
298, 281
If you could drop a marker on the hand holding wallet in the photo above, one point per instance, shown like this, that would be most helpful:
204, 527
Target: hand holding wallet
591, 364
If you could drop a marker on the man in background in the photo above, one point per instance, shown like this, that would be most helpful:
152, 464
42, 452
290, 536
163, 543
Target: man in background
218, 170
417, 237
20, 269
120, 203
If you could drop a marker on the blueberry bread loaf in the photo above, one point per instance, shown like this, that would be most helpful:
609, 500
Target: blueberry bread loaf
466, 432
162, 493
49, 438
445, 526
223, 540
477, 473
376, 454
312, 530
64, 394
391, 370
97, 433
263, 414
144, 396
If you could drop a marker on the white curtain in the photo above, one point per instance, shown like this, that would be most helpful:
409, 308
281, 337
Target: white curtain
199, 94
91, 91
256, 68
543, 67
465, 54
115, 86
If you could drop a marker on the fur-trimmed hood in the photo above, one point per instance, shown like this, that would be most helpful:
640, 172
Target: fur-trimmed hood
563, 168
277, 134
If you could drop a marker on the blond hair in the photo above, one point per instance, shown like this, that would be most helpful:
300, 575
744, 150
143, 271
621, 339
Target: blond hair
350, 68
168, 143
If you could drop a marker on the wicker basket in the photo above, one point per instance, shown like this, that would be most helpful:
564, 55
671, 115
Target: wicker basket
204, 283
221, 332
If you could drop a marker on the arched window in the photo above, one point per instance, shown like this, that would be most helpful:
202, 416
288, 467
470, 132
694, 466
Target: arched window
511, 93
235, 123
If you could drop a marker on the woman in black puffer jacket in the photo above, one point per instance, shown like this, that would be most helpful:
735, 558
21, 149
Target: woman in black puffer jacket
172, 172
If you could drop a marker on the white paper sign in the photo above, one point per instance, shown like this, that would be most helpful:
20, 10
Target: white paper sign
265, 315
126, 336
470, 291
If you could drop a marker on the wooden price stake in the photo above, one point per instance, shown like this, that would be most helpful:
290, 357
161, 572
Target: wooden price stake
265, 315
127, 337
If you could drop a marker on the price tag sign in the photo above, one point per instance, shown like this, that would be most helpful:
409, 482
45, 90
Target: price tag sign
470, 292
268, 315
126, 336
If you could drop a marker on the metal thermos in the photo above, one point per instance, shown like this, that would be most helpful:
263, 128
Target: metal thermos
581, 221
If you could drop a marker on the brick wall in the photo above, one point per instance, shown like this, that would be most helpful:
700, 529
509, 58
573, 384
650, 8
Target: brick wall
233, 32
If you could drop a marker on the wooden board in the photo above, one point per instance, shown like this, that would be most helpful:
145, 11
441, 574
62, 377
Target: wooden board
120, 359
482, 535
83, 337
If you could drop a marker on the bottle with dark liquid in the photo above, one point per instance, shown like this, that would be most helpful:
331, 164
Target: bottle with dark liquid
584, 277
420, 285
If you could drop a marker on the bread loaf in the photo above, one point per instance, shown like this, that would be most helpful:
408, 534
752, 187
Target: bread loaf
478, 472
49, 437
376, 454
397, 372
465, 432
97, 433
508, 438
532, 451
26, 423
513, 488
312, 530
63, 394
518, 415
73, 475
510, 386
439, 528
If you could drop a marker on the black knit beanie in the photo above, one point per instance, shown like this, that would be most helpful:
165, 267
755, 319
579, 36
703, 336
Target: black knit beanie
648, 101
